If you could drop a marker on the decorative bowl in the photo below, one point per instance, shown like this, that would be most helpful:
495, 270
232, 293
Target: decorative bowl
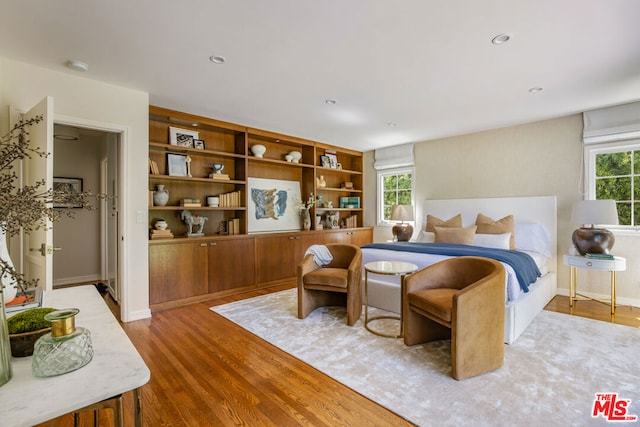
217, 167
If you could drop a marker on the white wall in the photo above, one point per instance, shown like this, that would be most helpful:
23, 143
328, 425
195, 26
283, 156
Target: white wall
536, 159
23, 85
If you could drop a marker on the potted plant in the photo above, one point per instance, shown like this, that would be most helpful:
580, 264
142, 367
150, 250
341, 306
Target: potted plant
23, 209
25, 328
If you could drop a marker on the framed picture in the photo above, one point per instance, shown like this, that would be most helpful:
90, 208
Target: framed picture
325, 162
182, 137
198, 143
68, 185
333, 160
273, 205
176, 165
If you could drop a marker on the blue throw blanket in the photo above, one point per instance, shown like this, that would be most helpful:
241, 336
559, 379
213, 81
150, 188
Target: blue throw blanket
524, 266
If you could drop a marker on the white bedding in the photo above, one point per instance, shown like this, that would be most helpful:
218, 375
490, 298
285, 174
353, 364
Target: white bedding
513, 289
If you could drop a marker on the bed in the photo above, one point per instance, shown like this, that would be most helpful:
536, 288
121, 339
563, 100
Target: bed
532, 215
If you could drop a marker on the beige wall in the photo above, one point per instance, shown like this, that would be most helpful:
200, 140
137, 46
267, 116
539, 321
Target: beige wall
535, 159
75, 96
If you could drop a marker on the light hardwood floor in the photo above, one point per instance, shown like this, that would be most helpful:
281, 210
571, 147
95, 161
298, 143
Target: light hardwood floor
207, 371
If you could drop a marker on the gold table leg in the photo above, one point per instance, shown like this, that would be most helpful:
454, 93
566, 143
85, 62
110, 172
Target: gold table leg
572, 285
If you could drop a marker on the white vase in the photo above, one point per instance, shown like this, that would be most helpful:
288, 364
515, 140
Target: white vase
9, 288
295, 156
258, 150
160, 196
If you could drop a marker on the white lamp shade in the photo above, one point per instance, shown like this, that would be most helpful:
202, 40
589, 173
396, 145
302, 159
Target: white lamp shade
402, 213
602, 212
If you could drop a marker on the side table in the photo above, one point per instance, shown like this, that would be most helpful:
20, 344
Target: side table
388, 268
613, 265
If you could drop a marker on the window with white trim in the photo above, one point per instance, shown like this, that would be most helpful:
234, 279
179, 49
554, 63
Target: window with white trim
613, 172
395, 187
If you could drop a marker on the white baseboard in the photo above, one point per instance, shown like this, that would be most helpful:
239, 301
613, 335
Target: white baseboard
619, 300
138, 315
77, 279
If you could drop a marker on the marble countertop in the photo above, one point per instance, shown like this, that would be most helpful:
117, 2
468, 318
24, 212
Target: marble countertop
116, 366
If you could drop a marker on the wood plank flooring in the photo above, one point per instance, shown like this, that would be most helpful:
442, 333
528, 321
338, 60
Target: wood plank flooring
206, 371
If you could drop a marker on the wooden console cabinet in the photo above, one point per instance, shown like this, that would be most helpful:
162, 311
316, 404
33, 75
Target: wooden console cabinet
186, 269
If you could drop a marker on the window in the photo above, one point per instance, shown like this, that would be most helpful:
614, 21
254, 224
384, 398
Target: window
614, 173
395, 187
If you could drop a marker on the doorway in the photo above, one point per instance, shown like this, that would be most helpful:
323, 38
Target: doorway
87, 244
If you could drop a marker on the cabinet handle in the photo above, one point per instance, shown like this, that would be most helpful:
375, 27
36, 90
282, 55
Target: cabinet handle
589, 263
291, 237
212, 243
204, 245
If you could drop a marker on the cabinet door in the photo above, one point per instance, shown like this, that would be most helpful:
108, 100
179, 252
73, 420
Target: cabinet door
177, 271
231, 264
337, 237
275, 258
361, 237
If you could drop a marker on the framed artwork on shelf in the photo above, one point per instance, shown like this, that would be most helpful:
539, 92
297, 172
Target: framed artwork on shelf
182, 137
68, 185
273, 205
333, 160
325, 162
198, 144
176, 165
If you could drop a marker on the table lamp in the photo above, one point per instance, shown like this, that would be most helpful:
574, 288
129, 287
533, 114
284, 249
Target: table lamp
588, 239
402, 232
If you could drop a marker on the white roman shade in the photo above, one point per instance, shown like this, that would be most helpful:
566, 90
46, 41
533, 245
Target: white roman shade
397, 156
617, 123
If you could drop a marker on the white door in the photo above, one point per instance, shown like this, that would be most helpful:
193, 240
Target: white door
38, 245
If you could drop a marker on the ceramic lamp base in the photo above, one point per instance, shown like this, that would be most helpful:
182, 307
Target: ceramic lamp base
593, 240
402, 232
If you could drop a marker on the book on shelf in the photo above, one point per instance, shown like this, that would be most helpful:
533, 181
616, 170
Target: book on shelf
599, 256
153, 167
32, 299
190, 203
233, 226
220, 176
160, 234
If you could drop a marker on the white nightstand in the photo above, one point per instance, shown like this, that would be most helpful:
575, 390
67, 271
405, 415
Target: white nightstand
613, 265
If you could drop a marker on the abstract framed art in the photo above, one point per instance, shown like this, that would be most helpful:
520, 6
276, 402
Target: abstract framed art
273, 205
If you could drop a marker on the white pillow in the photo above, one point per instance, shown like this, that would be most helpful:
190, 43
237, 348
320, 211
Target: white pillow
532, 237
426, 237
497, 241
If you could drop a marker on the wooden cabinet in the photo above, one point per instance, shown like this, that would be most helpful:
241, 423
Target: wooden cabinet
177, 271
231, 264
356, 237
183, 148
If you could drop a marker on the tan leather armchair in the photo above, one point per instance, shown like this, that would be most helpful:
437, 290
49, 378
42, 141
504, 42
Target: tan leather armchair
462, 299
336, 284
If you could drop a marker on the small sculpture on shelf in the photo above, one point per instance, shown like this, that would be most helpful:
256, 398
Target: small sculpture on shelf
304, 211
332, 220
193, 220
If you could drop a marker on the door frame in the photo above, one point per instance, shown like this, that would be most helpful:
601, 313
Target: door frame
122, 169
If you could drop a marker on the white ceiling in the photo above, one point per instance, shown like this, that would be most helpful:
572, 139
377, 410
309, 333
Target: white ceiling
428, 66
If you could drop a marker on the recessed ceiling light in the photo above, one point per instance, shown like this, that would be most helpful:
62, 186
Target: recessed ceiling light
77, 65
535, 89
217, 59
392, 124
330, 101
501, 38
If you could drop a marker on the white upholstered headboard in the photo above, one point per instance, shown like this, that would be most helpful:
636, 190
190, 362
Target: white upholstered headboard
540, 209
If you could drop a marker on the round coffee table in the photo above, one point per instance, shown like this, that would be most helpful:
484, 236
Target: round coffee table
388, 268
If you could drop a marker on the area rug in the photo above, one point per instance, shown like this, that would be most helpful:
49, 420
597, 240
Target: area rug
550, 377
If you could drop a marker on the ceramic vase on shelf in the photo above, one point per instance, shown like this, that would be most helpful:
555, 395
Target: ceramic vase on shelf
10, 289
306, 219
320, 182
258, 150
160, 196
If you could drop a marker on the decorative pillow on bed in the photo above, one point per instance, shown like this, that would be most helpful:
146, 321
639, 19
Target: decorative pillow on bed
459, 235
497, 241
433, 221
487, 225
532, 237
